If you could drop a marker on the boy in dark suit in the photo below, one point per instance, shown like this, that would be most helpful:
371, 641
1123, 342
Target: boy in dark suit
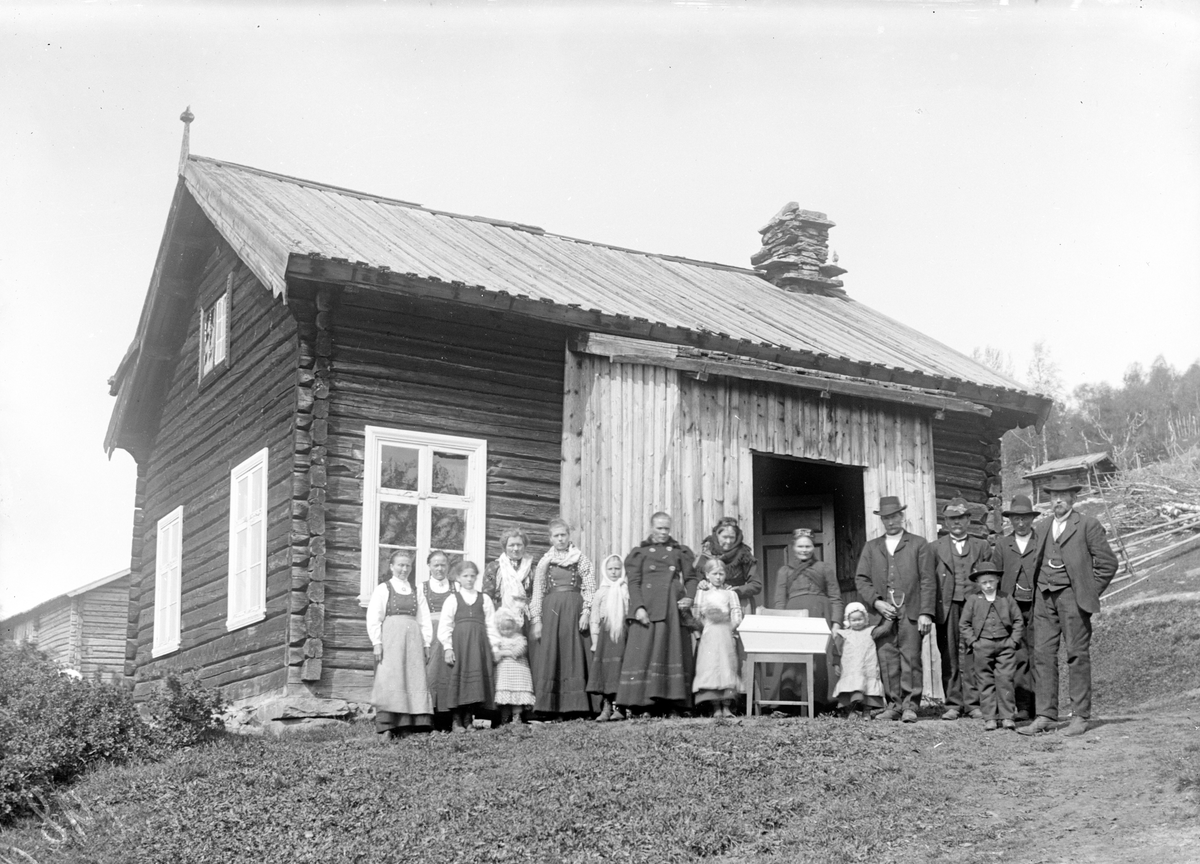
991, 626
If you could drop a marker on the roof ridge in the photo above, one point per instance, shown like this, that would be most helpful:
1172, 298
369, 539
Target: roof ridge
501, 223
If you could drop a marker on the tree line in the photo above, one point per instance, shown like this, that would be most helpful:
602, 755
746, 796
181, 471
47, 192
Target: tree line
1153, 414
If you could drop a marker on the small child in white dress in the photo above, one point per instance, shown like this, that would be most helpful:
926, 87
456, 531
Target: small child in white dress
859, 687
720, 611
514, 683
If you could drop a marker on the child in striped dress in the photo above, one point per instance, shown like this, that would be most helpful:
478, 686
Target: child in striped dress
514, 683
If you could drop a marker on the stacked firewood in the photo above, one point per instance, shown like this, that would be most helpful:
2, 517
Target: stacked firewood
795, 252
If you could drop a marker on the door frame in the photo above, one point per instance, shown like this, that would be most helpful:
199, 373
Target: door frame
827, 537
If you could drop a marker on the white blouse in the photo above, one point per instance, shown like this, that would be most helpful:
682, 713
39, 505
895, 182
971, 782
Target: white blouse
377, 609
446, 624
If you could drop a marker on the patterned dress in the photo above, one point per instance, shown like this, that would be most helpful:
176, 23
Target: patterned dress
514, 683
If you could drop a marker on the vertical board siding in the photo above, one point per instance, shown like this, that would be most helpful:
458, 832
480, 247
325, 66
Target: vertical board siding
405, 363
643, 438
204, 431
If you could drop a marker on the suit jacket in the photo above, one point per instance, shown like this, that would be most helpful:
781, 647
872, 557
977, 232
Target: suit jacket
655, 572
1089, 559
975, 609
977, 552
1009, 556
914, 575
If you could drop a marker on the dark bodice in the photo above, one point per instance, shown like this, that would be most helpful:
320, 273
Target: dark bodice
465, 612
400, 604
436, 601
564, 578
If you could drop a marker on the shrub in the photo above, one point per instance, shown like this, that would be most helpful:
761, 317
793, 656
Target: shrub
184, 712
54, 727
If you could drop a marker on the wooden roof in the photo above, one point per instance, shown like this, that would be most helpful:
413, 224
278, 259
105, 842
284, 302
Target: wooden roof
1070, 463
286, 228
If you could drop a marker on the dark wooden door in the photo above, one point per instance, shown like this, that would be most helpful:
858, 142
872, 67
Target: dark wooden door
774, 521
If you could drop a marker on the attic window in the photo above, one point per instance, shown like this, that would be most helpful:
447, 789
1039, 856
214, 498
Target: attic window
214, 334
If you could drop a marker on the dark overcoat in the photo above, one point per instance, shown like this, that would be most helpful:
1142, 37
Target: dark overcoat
913, 565
651, 568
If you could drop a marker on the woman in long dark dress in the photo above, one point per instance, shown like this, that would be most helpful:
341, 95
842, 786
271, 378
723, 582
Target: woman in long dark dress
657, 669
561, 608
437, 590
810, 585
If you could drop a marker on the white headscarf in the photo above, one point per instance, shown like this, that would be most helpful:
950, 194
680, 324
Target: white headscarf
852, 607
616, 599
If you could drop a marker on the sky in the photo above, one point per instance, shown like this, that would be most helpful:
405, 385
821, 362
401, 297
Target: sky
999, 172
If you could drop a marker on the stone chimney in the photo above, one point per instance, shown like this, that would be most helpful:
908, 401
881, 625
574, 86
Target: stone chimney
795, 253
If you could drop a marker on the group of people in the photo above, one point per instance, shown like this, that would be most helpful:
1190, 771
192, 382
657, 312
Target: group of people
998, 612
655, 631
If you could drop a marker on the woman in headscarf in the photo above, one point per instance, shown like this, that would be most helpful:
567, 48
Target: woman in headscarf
812, 585
741, 567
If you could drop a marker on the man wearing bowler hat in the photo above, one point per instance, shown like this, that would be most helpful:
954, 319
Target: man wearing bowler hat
1015, 554
898, 567
1074, 565
956, 556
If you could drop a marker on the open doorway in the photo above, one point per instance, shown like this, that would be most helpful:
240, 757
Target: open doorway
824, 497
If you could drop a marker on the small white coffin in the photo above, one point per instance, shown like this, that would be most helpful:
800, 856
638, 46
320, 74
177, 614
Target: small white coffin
776, 634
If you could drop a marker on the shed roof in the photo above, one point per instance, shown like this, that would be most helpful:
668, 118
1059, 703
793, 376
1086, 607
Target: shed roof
1069, 463
286, 228
68, 595
269, 217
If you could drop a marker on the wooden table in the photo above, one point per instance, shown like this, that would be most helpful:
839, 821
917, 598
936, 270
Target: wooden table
754, 700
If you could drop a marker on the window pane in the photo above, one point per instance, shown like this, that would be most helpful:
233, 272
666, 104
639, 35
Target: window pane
787, 521
243, 500
448, 529
450, 473
398, 467
398, 524
256, 484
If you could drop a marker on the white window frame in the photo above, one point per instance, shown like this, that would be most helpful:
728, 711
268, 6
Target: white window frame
219, 312
168, 579
246, 593
475, 498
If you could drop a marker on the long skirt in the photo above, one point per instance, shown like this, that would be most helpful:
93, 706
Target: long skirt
716, 664
560, 685
438, 674
657, 665
471, 677
400, 693
605, 676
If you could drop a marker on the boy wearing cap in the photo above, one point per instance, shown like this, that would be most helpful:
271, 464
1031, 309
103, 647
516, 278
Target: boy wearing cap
1015, 554
1074, 565
898, 563
991, 628
956, 555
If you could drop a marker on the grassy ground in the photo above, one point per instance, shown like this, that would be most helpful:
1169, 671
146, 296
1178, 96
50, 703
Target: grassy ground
759, 790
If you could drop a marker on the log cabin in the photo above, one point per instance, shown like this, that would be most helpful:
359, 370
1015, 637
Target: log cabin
320, 376
83, 631
1087, 470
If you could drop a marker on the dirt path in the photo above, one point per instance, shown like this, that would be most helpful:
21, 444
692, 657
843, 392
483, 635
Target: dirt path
1109, 796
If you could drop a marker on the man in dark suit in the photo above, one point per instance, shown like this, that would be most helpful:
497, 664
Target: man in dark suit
894, 563
991, 630
957, 555
1074, 566
1015, 554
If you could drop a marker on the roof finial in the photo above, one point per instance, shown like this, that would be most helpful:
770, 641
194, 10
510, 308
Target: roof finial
187, 117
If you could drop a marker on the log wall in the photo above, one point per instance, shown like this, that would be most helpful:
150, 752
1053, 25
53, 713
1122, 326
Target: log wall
640, 438
202, 433
410, 364
103, 614
966, 464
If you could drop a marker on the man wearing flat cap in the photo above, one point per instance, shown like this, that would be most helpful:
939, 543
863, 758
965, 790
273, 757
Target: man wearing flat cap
895, 579
1074, 565
956, 556
1015, 554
